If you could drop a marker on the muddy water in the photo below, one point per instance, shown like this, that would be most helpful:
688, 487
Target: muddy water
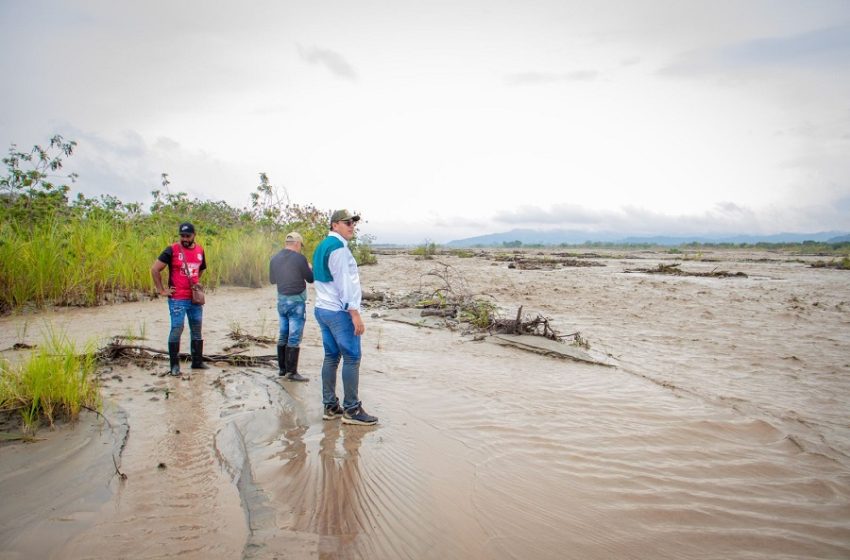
177, 499
722, 433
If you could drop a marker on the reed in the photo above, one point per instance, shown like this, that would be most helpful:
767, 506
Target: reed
54, 383
72, 262
242, 258
86, 261
87, 251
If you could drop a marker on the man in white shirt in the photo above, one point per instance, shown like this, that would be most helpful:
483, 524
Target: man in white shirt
337, 312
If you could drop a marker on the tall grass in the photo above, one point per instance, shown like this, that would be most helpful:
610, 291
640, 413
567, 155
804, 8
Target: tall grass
240, 258
87, 261
89, 250
79, 262
54, 383
72, 262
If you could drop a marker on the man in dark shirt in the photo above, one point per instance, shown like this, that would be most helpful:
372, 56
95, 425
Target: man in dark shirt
291, 272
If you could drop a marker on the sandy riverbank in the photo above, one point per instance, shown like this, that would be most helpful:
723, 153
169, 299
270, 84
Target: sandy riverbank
721, 432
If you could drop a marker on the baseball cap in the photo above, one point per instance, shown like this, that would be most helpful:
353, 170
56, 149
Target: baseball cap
186, 227
341, 215
294, 236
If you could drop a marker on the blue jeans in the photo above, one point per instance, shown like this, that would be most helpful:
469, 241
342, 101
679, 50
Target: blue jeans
179, 309
339, 340
292, 312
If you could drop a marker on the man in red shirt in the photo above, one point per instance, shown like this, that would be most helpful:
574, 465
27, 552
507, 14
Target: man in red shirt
185, 261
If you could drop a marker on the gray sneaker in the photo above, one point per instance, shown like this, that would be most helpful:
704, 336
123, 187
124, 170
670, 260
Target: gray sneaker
292, 376
332, 412
359, 417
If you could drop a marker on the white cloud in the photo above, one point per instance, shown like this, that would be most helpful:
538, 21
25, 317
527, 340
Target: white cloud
526, 78
478, 115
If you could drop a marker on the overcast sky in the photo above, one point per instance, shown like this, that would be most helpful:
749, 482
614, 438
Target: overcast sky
446, 119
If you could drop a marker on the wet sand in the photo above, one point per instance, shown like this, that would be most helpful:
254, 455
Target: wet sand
722, 431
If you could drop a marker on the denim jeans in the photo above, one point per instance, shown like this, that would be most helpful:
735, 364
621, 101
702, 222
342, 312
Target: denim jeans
179, 309
292, 312
339, 340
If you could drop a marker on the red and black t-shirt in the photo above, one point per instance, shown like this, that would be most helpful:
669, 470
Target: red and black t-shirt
196, 261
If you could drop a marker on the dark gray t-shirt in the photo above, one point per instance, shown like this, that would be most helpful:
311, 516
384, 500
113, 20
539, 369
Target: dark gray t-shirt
290, 271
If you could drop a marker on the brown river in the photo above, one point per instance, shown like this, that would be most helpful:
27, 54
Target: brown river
721, 431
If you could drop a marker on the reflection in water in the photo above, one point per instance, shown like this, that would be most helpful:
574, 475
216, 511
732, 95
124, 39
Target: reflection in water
324, 488
339, 513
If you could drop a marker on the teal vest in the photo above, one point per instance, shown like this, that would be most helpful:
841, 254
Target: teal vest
321, 271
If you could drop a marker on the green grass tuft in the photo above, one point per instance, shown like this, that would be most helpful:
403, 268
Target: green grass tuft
54, 383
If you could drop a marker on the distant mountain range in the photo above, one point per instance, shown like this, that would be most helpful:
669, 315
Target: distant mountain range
571, 237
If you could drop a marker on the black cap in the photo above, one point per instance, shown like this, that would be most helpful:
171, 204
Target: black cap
186, 227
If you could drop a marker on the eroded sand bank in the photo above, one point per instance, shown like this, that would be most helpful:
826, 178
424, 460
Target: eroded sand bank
721, 432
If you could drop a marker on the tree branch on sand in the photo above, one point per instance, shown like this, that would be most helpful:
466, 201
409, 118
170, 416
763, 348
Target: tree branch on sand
452, 300
674, 270
244, 340
145, 356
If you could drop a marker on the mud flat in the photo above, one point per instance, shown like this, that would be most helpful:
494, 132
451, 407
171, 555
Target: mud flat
715, 427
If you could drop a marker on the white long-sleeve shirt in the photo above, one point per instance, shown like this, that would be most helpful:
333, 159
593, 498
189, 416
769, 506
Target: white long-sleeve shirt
343, 293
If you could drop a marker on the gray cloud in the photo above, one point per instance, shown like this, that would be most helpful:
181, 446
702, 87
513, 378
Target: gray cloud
331, 60
725, 217
558, 214
128, 167
538, 78
826, 47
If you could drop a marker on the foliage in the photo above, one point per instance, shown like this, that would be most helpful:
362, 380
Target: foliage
843, 264
361, 248
425, 251
27, 191
54, 383
92, 250
478, 313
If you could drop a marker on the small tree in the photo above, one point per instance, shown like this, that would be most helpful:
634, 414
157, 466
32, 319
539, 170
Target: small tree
27, 191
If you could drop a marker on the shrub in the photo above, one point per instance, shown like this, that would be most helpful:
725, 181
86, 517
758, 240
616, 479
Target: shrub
425, 251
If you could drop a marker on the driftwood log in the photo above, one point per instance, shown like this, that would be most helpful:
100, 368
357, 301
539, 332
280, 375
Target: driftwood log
443, 292
447, 312
538, 326
118, 351
674, 270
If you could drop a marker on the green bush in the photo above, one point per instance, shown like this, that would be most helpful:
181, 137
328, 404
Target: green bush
54, 383
425, 251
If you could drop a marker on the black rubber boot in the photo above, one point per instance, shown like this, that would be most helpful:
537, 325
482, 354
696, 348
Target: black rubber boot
198, 355
291, 360
281, 360
174, 357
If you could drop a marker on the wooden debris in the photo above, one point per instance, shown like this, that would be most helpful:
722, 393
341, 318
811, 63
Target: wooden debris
674, 270
242, 337
145, 356
538, 326
451, 300
544, 262
449, 312
374, 296
843, 264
